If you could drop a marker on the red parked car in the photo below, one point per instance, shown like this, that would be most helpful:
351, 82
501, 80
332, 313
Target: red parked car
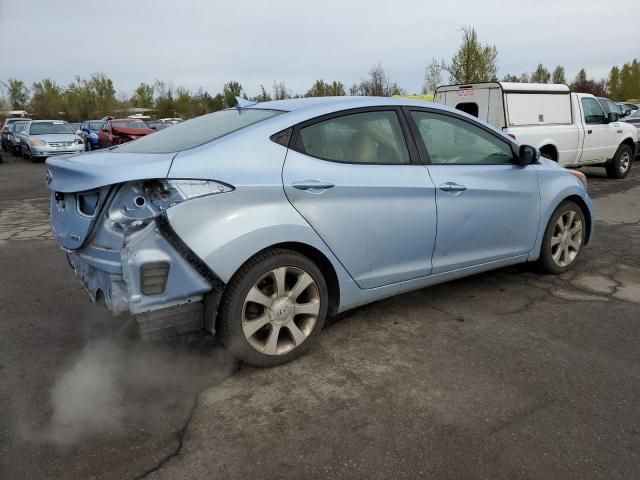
117, 131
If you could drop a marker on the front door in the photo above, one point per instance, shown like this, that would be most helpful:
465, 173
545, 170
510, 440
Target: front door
488, 206
600, 139
352, 177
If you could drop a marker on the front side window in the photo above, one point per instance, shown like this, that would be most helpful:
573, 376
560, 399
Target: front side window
593, 112
450, 140
366, 137
198, 131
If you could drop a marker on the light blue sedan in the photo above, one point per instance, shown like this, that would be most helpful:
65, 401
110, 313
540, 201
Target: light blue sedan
257, 222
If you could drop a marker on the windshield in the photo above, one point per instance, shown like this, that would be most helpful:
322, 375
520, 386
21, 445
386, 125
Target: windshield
129, 124
198, 131
49, 128
95, 125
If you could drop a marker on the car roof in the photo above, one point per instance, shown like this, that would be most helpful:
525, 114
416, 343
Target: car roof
339, 103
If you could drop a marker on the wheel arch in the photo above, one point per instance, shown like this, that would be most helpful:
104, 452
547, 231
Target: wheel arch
550, 149
577, 199
629, 142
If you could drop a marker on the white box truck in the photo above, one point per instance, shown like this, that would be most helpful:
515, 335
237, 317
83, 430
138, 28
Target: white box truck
570, 128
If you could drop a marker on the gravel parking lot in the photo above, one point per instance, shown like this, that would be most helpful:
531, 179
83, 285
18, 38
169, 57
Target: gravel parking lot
509, 374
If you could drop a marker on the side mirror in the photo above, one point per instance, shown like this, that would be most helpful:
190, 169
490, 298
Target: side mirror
527, 155
612, 117
104, 129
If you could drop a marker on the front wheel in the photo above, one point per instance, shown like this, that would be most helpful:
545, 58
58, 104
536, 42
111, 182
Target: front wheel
273, 308
620, 165
563, 239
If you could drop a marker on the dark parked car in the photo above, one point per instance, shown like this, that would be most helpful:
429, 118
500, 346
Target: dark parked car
117, 131
5, 131
13, 136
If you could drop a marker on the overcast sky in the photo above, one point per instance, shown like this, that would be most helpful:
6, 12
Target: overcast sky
205, 43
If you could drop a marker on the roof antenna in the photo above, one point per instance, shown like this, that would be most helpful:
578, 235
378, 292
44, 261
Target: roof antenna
244, 103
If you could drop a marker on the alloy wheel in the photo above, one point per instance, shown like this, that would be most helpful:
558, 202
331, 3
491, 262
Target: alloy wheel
625, 162
280, 310
566, 239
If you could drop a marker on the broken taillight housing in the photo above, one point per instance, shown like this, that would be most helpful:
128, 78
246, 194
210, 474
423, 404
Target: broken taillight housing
137, 203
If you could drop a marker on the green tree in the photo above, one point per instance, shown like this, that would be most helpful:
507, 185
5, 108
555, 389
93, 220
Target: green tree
143, 96
473, 62
217, 103
627, 88
614, 84
280, 91
184, 104
541, 75
103, 92
230, 91
164, 104
263, 96
18, 94
47, 100
582, 84
558, 75
320, 88
377, 84
511, 78
432, 76
79, 101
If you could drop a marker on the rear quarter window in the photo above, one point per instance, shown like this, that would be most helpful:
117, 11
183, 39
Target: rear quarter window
198, 131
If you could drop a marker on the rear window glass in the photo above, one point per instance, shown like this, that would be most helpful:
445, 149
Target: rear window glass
50, 128
198, 131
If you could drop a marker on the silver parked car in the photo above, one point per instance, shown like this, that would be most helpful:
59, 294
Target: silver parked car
45, 138
259, 221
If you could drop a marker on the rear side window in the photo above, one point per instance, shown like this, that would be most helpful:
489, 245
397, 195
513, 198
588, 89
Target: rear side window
367, 137
198, 131
593, 112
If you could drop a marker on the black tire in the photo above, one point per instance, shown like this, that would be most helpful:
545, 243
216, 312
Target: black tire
231, 313
546, 262
88, 147
620, 165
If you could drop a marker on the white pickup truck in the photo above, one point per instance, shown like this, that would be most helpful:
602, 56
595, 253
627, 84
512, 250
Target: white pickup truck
570, 128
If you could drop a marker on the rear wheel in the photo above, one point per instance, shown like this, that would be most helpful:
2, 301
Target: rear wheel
620, 165
273, 308
563, 239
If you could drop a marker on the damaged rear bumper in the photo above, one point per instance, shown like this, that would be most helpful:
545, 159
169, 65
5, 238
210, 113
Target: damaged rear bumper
155, 276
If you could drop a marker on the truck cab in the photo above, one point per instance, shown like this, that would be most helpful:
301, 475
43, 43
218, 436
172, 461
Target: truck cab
570, 128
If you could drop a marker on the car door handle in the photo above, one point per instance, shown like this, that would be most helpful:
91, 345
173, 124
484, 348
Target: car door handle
452, 187
312, 185
589, 132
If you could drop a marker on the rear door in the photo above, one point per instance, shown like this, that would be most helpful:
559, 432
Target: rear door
359, 183
488, 206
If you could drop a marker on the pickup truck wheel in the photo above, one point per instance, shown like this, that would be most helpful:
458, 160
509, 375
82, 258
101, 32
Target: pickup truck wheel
620, 165
273, 308
563, 239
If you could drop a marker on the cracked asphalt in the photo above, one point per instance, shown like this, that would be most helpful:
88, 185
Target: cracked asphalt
508, 374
